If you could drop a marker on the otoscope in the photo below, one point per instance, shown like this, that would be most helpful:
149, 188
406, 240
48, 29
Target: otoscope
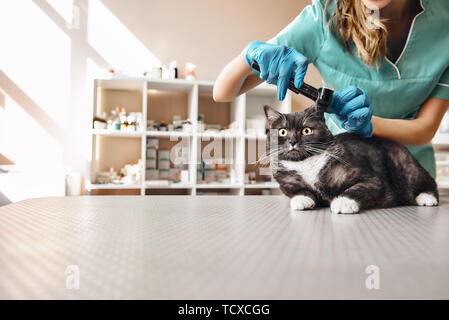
322, 96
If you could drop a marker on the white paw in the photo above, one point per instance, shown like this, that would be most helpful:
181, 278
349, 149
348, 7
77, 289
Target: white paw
344, 205
301, 203
426, 199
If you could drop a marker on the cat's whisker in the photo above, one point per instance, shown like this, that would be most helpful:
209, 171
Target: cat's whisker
268, 155
265, 159
331, 154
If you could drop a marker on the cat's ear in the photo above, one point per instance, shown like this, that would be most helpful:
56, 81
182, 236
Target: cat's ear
272, 115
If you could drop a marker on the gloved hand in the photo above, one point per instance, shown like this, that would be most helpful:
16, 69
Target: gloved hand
277, 64
352, 106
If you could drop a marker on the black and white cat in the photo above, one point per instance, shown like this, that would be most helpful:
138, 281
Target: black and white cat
347, 171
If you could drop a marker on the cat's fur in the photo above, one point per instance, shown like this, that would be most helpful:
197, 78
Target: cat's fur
347, 171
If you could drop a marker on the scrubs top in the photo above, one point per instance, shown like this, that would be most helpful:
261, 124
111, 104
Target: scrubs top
397, 89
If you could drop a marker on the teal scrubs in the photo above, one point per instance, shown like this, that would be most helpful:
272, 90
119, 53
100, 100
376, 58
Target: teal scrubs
397, 89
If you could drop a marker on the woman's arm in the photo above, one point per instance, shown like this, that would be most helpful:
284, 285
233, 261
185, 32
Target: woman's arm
415, 132
235, 79
276, 62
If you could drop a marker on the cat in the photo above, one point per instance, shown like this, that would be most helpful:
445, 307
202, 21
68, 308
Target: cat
314, 168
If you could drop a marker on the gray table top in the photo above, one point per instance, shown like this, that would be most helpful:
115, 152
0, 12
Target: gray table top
226, 247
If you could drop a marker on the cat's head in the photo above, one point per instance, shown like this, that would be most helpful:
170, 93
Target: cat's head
299, 134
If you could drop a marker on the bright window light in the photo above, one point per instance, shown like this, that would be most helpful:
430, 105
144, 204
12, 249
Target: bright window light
115, 43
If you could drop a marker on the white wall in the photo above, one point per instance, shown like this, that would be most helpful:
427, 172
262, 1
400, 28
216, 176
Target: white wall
46, 63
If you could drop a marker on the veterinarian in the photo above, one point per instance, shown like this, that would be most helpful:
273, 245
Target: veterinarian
388, 61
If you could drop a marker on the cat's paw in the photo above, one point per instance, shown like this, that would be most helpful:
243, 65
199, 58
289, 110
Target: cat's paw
344, 205
426, 199
301, 203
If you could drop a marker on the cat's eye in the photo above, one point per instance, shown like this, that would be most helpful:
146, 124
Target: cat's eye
283, 132
306, 131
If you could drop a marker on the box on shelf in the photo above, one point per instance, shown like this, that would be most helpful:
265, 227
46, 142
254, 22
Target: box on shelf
246, 178
209, 175
151, 174
174, 174
252, 177
163, 164
151, 153
213, 171
163, 155
221, 175
152, 143
151, 163
222, 167
209, 164
442, 165
103, 177
164, 174
185, 176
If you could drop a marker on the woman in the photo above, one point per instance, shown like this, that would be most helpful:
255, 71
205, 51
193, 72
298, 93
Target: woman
400, 60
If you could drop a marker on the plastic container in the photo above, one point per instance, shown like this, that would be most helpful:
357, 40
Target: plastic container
151, 174
151, 163
173, 173
151, 153
209, 175
163, 154
185, 176
153, 143
163, 164
164, 174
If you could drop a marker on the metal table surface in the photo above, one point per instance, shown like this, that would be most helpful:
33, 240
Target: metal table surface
218, 247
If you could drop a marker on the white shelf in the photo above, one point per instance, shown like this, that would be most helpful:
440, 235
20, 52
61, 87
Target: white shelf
168, 134
128, 83
217, 186
266, 90
443, 183
244, 106
262, 185
227, 135
170, 185
251, 136
171, 85
119, 84
441, 140
112, 186
120, 134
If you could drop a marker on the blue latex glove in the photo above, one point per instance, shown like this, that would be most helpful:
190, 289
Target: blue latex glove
352, 106
277, 64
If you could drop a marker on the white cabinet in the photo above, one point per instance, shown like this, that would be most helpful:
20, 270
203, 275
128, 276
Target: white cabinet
159, 100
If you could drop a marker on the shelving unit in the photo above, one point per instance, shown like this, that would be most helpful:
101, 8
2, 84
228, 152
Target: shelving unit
159, 100
441, 145
441, 140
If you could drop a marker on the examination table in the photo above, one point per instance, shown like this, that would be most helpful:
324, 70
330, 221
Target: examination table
219, 247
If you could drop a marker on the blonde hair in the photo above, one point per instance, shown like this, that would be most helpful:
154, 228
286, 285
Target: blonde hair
355, 22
